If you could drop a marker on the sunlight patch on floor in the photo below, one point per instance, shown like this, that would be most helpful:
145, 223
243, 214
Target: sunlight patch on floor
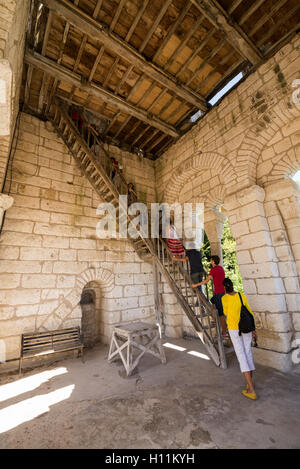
16, 414
20, 386
199, 355
175, 347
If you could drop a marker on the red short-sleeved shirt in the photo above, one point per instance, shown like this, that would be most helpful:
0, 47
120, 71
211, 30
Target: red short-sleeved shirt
218, 275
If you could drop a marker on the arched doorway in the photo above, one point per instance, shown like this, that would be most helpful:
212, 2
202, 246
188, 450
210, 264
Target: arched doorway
89, 327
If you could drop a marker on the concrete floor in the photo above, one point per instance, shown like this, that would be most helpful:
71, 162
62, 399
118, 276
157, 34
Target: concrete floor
187, 403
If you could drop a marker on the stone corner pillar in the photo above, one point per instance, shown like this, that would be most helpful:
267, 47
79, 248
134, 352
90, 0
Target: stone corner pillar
5, 97
252, 223
213, 226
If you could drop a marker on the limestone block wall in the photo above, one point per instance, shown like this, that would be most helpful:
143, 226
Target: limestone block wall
266, 276
13, 14
235, 160
138, 170
49, 250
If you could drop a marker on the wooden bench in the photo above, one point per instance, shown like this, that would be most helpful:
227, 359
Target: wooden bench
44, 343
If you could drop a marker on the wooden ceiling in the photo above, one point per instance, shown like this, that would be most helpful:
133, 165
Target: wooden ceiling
144, 67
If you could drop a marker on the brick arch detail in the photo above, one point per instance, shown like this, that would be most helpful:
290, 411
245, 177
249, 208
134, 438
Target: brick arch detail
104, 276
64, 311
254, 143
287, 166
193, 165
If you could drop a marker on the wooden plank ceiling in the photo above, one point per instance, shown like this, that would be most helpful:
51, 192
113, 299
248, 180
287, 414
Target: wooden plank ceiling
144, 67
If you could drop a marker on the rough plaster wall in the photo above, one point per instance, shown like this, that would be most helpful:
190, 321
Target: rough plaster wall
49, 250
13, 20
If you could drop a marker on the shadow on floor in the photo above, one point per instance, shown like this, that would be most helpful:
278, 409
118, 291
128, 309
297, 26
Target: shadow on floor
186, 403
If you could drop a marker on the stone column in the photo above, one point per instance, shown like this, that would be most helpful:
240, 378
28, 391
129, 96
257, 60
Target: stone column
213, 226
262, 279
5, 97
6, 202
282, 207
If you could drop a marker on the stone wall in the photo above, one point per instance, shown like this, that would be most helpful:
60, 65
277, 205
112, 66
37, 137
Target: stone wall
13, 14
138, 170
49, 250
239, 159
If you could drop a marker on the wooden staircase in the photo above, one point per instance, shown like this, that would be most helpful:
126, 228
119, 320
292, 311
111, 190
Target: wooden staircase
201, 313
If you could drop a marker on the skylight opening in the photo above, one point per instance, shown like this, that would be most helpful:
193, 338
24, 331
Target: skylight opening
225, 89
196, 116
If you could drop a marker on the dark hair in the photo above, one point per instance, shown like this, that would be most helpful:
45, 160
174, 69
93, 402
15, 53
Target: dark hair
228, 285
216, 259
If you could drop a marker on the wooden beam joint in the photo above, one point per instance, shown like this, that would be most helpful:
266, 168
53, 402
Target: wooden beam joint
62, 73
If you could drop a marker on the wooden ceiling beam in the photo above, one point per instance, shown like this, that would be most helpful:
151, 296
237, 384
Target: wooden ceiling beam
250, 11
117, 15
52, 93
165, 146
233, 67
276, 26
124, 78
156, 142
146, 94
282, 41
45, 79
28, 83
232, 31
96, 30
176, 111
206, 61
47, 31
122, 126
97, 114
65, 75
196, 52
258, 24
161, 94
95, 65
148, 139
116, 116
183, 43
168, 104
110, 72
136, 125
234, 6
136, 20
80, 52
155, 24
139, 136
97, 8
172, 30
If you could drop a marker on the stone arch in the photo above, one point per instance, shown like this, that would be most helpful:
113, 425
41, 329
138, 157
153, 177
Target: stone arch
286, 166
191, 166
99, 274
259, 136
68, 312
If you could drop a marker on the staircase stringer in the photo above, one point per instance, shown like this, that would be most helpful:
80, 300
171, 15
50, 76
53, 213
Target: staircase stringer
84, 158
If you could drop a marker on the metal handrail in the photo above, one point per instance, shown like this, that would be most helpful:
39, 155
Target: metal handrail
158, 248
86, 134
